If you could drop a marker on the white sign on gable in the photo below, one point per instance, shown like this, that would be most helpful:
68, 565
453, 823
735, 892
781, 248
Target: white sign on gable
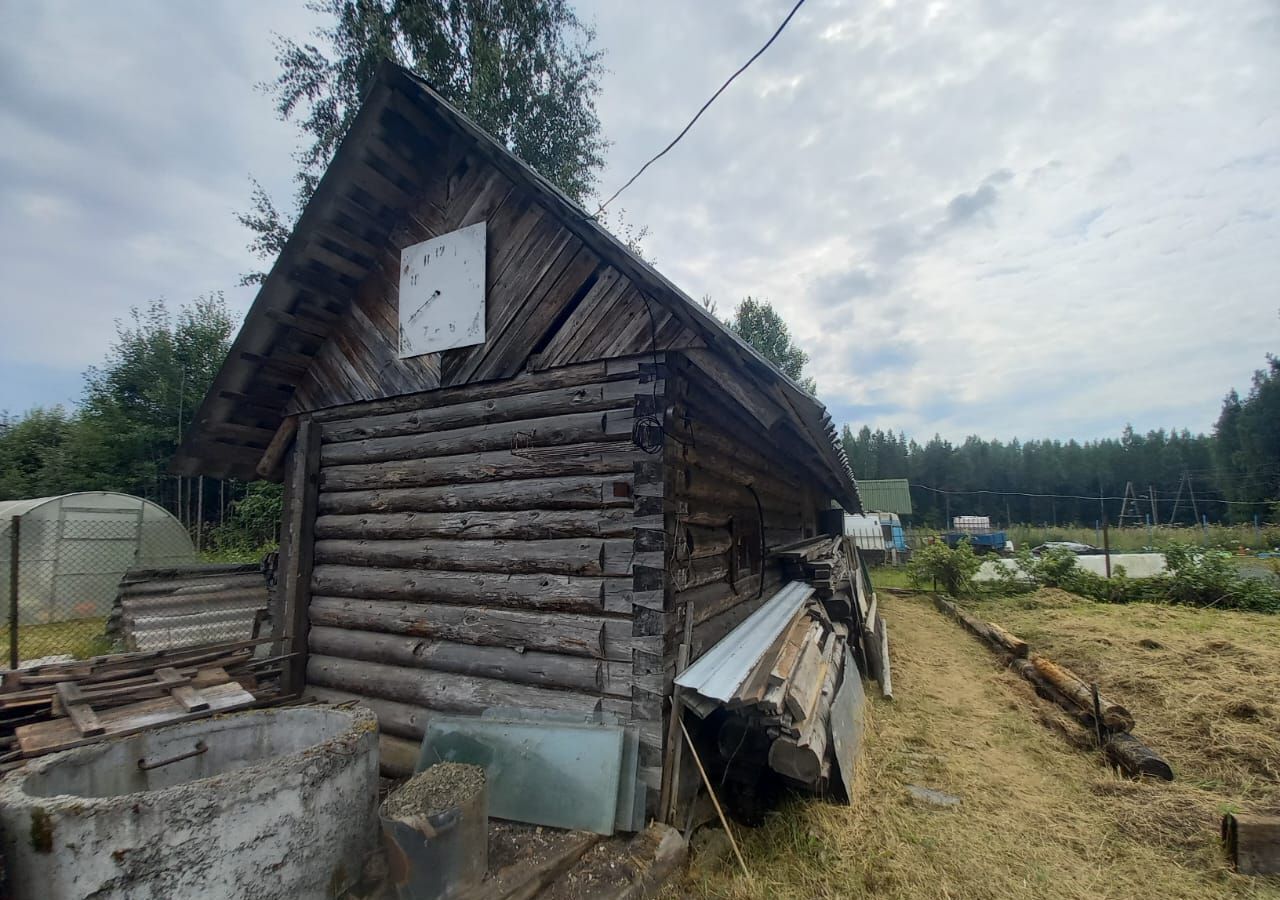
442, 292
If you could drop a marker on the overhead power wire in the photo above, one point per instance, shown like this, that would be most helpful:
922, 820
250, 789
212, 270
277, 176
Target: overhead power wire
665, 150
1160, 495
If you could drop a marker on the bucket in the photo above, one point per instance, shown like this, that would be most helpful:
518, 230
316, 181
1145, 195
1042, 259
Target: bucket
435, 828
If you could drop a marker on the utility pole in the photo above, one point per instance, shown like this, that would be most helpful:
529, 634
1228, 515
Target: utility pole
1192, 493
1155, 517
1177, 499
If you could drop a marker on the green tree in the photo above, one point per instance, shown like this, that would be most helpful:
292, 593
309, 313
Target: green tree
525, 70
759, 324
141, 400
36, 454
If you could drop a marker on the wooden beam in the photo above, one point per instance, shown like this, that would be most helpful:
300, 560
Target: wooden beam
301, 493
273, 456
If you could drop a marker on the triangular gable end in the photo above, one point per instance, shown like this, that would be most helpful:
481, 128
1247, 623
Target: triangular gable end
559, 289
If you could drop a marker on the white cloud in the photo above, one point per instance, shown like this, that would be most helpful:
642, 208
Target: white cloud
992, 217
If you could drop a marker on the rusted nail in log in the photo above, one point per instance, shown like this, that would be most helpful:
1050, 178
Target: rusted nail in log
1114, 716
1136, 758
1252, 842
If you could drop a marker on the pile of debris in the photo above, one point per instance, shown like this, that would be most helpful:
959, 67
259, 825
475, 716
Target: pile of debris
784, 688
61, 705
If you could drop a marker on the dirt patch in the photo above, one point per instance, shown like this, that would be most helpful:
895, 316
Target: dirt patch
435, 789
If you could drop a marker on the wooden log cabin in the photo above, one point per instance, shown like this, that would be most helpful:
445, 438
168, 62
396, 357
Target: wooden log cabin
540, 519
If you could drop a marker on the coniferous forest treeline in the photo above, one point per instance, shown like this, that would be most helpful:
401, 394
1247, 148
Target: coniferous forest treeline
1234, 472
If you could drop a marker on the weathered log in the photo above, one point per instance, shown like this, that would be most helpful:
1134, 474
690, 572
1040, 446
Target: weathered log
524, 525
550, 592
552, 431
495, 465
569, 556
1014, 644
397, 757
448, 692
272, 461
1135, 757
526, 667
528, 405
574, 635
400, 719
1114, 716
578, 492
1127, 752
566, 376
1252, 843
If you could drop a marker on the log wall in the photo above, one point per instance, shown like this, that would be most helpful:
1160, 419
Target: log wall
734, 491
493, 545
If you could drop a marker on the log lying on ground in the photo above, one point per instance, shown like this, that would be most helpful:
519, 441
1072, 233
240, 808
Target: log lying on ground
1066, 689
1014, 644
1114, 716
992, 634
1135, 757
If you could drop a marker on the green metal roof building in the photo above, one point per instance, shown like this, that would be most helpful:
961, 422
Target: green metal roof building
885, 495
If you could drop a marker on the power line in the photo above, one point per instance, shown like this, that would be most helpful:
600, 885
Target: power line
1094, 498
704, 108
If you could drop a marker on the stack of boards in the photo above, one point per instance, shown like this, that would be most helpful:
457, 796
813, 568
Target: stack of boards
789, 677
67, 704
832, 566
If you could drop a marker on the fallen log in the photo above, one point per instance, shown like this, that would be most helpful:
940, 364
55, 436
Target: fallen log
1014, 644
1135, 757
1070, 692
1114, 716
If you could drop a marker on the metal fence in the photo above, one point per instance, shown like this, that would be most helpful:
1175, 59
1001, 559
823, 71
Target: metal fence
60, 578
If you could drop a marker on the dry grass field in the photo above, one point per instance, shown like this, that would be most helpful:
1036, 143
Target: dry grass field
1038, 816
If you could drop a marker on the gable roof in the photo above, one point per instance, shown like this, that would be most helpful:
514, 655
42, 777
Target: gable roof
377, 174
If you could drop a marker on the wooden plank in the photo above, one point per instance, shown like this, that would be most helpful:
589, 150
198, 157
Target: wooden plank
191, 699
1253, 843
78, 709
806, 678
61, 734
795, 639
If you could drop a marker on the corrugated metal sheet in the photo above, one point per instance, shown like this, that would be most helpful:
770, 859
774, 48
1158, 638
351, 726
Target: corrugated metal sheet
720, 671
158, 609
885, 495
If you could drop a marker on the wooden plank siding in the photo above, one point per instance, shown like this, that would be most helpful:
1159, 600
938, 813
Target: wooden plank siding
494, 545
549, 301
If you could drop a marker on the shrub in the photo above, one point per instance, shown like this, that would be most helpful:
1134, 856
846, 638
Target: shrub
252, 526
952, 568
1210, 578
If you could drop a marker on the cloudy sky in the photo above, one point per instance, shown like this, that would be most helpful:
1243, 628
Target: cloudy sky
995, 217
